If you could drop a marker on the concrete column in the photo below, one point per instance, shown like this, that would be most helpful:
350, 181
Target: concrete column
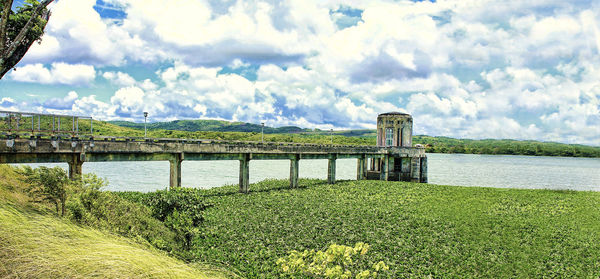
75, 167
175, 171
331, 169
424, 170
405, 169
245, 174
384, 172
294, 172
415, 169
360, 168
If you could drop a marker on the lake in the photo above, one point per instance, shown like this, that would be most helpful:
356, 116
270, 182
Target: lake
505, 171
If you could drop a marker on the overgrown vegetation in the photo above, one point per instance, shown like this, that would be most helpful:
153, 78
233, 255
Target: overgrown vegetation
417, 230
35, 242
338, 261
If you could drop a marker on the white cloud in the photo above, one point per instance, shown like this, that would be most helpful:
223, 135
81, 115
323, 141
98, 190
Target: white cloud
119, 78
59, 73
524, 69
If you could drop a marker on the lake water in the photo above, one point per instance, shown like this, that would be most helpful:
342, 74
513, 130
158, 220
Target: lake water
449, 169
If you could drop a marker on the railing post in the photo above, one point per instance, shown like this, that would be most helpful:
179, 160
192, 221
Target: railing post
245, 173
331, 169
294, 171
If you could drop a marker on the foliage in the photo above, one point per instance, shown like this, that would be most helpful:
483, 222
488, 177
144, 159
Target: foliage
107, 211
418, 230
48, 184
180, 209
504, 147
19, 30
338, 261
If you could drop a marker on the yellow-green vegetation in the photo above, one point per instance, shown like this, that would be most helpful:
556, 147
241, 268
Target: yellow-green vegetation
338, 261
418, 230
36, 243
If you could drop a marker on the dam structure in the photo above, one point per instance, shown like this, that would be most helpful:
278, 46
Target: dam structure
397, 161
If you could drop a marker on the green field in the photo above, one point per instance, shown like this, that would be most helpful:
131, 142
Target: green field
419, 230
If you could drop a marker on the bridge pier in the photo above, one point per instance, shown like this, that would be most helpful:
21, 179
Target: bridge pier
175, 171
245, 174
75, 167
384, 173
331, 169
361, 168
294, 171
415, 170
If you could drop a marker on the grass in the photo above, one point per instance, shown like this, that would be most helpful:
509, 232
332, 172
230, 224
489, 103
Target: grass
35, 243
419, 230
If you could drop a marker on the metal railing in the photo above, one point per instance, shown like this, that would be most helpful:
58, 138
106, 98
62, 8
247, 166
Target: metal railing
40, 123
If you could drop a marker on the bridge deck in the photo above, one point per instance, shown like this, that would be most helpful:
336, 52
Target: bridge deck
76, 150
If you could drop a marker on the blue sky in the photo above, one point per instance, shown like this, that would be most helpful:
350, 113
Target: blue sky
466, 69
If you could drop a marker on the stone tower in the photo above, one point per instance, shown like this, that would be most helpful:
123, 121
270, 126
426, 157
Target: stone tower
394, 129
403, 162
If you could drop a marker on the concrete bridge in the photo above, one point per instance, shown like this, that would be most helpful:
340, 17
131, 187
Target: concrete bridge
373, 162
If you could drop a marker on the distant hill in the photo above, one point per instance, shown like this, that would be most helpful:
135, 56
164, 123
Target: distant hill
211, 126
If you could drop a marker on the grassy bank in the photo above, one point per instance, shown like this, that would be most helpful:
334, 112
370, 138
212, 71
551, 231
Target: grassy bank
419, 230
36, 243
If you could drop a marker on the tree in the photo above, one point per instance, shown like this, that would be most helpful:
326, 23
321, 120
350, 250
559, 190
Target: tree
19, 30
48, 184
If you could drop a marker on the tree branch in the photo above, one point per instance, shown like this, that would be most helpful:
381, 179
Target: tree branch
19, 39
6, 6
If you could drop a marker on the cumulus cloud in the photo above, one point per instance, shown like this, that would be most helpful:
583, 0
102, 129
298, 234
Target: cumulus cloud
58, 73
521, 69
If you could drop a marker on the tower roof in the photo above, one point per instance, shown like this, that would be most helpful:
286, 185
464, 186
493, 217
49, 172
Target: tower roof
393, 113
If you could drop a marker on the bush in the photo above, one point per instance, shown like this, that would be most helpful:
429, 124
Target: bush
108, 211
338, 261
181, 210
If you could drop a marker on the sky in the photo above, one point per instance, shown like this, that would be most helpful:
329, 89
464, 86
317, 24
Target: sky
466, 69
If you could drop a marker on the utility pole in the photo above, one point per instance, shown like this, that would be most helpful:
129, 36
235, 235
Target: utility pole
262, 132
145, 120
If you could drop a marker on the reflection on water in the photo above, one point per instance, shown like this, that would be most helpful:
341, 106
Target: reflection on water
449, 169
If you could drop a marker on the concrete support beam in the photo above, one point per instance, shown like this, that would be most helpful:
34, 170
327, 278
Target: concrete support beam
175, 171
245, 174
415, 169
75, 167
331, 169
423, 170
294, 172
385, 171
361, 166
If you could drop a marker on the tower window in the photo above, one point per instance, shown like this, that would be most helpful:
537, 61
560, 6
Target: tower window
389, 136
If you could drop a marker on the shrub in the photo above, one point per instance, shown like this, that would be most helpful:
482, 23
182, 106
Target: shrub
108, 211
180, 209
338, 261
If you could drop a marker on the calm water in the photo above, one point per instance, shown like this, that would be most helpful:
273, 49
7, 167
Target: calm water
449, 169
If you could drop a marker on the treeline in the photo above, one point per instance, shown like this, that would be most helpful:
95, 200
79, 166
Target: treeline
504, 147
